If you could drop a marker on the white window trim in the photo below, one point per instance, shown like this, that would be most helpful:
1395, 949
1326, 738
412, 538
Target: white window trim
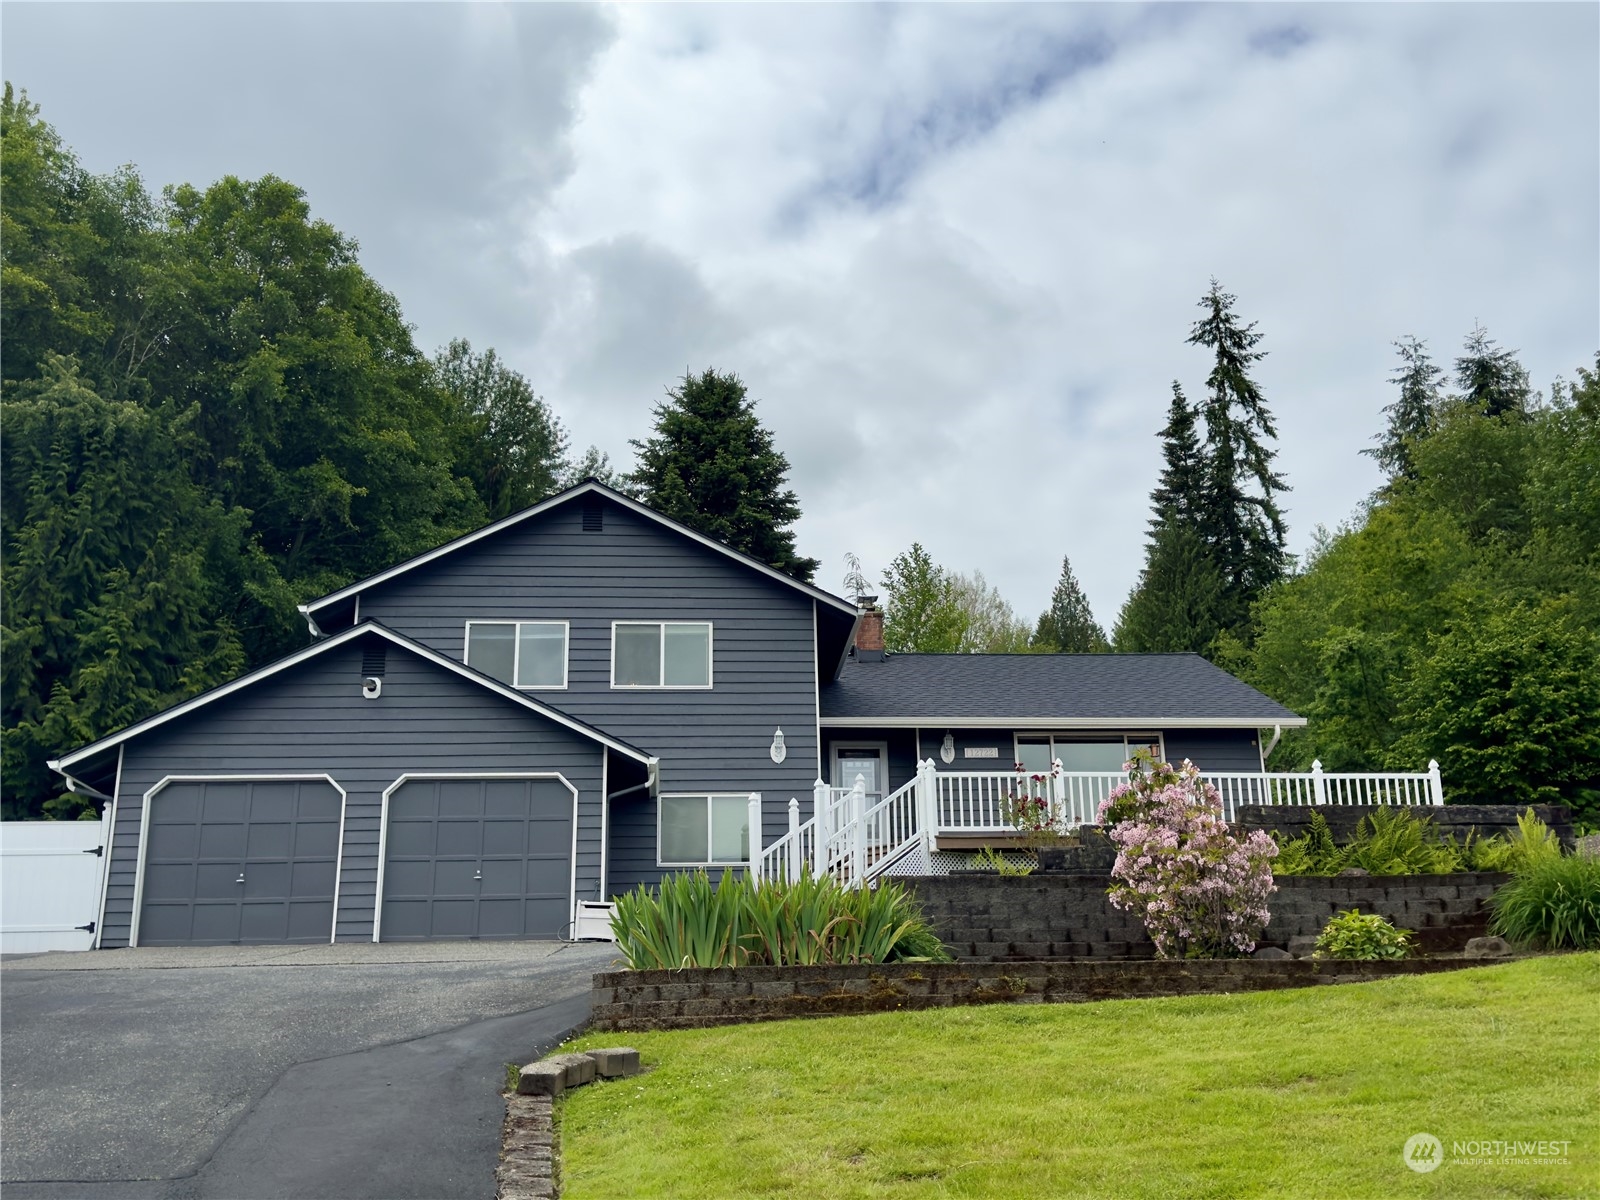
516, 649
1088, 735
160, 785
711, 659
708, 797
383, 831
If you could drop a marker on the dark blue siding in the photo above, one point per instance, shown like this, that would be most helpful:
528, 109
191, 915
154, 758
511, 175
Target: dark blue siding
312, 719
763, 660
1215, 749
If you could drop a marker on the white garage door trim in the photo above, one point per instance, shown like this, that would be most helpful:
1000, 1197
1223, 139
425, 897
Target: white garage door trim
383, 830
144, 834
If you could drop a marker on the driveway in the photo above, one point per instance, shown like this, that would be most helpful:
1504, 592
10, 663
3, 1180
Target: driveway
242, 1072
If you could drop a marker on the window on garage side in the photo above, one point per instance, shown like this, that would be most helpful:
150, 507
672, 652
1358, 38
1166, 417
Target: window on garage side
661, 654
704, 831
525, 654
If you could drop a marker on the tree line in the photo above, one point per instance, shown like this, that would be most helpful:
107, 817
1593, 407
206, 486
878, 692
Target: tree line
1456, 617
212, 414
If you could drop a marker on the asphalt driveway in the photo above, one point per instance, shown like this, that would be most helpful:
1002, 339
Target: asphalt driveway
325, 1071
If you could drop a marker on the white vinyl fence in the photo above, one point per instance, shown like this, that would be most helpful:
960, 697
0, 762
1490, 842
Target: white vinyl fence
51, 873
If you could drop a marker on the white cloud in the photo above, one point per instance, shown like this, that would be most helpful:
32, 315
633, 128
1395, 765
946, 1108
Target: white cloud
954, 249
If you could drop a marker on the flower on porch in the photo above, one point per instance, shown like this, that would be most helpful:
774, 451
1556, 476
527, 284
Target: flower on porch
1201, 889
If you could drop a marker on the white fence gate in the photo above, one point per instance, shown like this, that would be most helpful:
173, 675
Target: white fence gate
51, 873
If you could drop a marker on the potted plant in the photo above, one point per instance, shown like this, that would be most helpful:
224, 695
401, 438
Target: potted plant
1032, 808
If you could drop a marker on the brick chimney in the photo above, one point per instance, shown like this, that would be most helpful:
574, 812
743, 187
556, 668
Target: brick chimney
869, 633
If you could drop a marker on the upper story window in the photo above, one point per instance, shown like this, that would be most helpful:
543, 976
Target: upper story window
525, 654
661, 654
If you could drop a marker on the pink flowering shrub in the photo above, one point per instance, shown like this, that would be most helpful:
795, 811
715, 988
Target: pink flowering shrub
1201, 889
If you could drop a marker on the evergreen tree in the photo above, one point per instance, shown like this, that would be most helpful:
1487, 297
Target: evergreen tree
1491, 379
713, 466
1175, 605
1411, 416
1068, 626
1240, 520
116, 566
1180, 495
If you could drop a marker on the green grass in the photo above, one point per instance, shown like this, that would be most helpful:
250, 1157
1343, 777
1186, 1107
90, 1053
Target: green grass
1296, 1093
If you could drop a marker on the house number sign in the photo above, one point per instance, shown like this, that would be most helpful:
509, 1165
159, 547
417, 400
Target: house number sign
982, 751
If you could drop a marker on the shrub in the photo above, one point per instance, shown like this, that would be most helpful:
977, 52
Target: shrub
1362, 936
688, 922
990, 859
1201, 890
1552, 904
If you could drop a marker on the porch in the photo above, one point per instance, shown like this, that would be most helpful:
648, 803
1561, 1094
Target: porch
857, 836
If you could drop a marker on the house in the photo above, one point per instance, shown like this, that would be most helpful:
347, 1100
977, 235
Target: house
571, 702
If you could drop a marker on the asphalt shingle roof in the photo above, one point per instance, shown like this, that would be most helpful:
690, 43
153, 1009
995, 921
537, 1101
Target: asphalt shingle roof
1056, 687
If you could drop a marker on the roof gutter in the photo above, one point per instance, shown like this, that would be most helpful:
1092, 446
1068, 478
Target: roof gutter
1277, 732
311, 622
76, 786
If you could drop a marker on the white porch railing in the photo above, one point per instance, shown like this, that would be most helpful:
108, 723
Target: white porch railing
854, 841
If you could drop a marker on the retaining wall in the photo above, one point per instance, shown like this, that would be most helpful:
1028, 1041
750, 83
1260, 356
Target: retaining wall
695, 998
991, 917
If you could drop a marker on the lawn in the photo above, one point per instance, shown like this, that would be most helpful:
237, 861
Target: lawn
1295, 1093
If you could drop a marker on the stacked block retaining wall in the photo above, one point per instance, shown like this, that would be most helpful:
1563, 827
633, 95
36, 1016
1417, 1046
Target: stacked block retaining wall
983, 916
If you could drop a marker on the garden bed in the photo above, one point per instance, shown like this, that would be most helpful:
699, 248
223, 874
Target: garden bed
695, 998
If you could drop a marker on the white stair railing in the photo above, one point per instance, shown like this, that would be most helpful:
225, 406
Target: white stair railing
855, 841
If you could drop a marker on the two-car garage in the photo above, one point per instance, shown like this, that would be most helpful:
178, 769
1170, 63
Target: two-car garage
316, 801
232, 860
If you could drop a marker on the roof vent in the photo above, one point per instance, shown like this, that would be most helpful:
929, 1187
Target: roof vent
594, 516
373, 659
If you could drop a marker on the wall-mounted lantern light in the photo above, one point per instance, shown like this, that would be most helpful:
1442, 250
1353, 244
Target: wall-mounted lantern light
947, 748
778, 750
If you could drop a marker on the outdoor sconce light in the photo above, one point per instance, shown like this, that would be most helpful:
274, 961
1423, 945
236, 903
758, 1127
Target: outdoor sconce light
372, 687
778, 750
947, 748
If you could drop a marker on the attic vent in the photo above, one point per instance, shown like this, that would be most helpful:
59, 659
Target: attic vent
594, 517
373, 659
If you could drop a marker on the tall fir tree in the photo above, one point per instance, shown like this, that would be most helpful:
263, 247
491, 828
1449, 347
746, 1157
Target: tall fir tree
1180, 494
1412, 414
1490, 378
1240, 519
712, 465
1068, 626
1175, 605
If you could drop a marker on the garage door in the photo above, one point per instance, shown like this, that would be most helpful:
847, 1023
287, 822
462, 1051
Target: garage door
477, 858
240, 861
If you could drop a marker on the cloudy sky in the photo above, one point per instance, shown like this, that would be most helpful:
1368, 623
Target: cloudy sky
955, 251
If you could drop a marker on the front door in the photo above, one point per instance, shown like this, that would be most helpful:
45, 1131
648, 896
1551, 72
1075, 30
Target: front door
866, 761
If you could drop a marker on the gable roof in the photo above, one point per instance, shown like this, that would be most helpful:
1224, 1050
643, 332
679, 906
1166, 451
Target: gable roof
587, 487
1171, 691
67, 762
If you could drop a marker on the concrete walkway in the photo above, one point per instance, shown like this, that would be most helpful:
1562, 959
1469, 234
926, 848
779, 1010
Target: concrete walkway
243, 1072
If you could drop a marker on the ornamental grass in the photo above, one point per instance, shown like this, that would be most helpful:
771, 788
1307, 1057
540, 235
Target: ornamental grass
690, 922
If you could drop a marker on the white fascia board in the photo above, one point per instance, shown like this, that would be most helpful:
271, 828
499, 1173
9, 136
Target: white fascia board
1062, 722
560, 498
64, 764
